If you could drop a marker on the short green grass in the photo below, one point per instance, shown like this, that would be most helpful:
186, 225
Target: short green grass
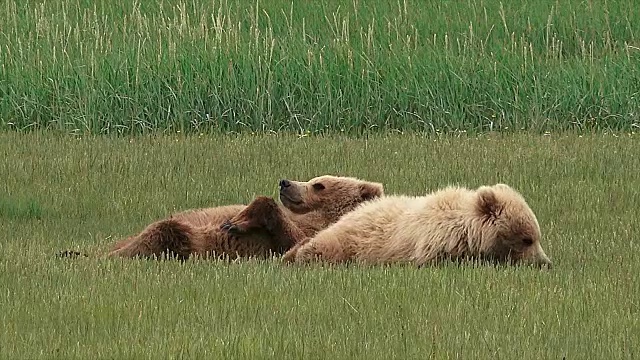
76, 193
319, 66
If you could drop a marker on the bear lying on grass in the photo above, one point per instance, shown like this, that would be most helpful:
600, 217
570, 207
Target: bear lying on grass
309, 206
492, 223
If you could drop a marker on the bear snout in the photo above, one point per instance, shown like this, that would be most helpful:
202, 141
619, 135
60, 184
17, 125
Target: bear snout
544, 261
284, 183
538, 257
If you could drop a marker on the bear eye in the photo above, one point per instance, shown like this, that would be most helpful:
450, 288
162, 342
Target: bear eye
527, 241
318, 186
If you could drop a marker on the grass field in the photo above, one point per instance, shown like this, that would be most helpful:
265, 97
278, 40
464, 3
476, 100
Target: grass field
62, 192
229, 96
319, 66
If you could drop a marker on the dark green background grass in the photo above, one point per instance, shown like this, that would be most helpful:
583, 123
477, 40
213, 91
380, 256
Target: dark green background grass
61, 192
319, 66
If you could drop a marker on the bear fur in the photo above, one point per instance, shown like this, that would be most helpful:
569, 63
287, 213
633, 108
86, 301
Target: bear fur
491, 223
310, 206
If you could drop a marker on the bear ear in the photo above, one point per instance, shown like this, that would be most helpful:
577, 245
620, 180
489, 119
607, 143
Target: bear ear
370, 191
488, 204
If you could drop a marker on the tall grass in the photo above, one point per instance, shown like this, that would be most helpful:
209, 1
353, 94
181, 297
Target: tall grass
319, 66
91, 191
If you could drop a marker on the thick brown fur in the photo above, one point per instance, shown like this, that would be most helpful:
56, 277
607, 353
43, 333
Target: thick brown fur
492, 223
309, 206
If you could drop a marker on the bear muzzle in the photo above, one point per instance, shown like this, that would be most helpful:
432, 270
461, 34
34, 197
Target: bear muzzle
537, 256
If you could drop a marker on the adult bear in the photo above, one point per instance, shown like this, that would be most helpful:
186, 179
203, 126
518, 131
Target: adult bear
492, 223
310, 206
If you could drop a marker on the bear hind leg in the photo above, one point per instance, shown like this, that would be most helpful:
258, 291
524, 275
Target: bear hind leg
168, 237
328, 252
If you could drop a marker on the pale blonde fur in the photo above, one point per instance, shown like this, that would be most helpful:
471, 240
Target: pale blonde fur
491, 222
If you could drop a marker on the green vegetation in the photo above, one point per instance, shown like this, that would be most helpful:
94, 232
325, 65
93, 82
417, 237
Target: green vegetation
91, 191
197, 80
19, 209
319, 66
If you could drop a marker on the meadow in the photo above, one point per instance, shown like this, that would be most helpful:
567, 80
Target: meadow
353, 67
83, 193
114, 114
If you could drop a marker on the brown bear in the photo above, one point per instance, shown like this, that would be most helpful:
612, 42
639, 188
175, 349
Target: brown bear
491, 223
310, 206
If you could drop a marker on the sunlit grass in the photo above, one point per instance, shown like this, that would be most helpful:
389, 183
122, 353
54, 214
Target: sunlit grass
91, 191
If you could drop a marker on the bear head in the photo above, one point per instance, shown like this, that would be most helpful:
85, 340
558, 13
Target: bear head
509, 229
331, 195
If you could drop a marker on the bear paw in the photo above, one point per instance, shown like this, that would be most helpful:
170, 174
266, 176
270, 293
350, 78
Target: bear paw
255, 215
234, 228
